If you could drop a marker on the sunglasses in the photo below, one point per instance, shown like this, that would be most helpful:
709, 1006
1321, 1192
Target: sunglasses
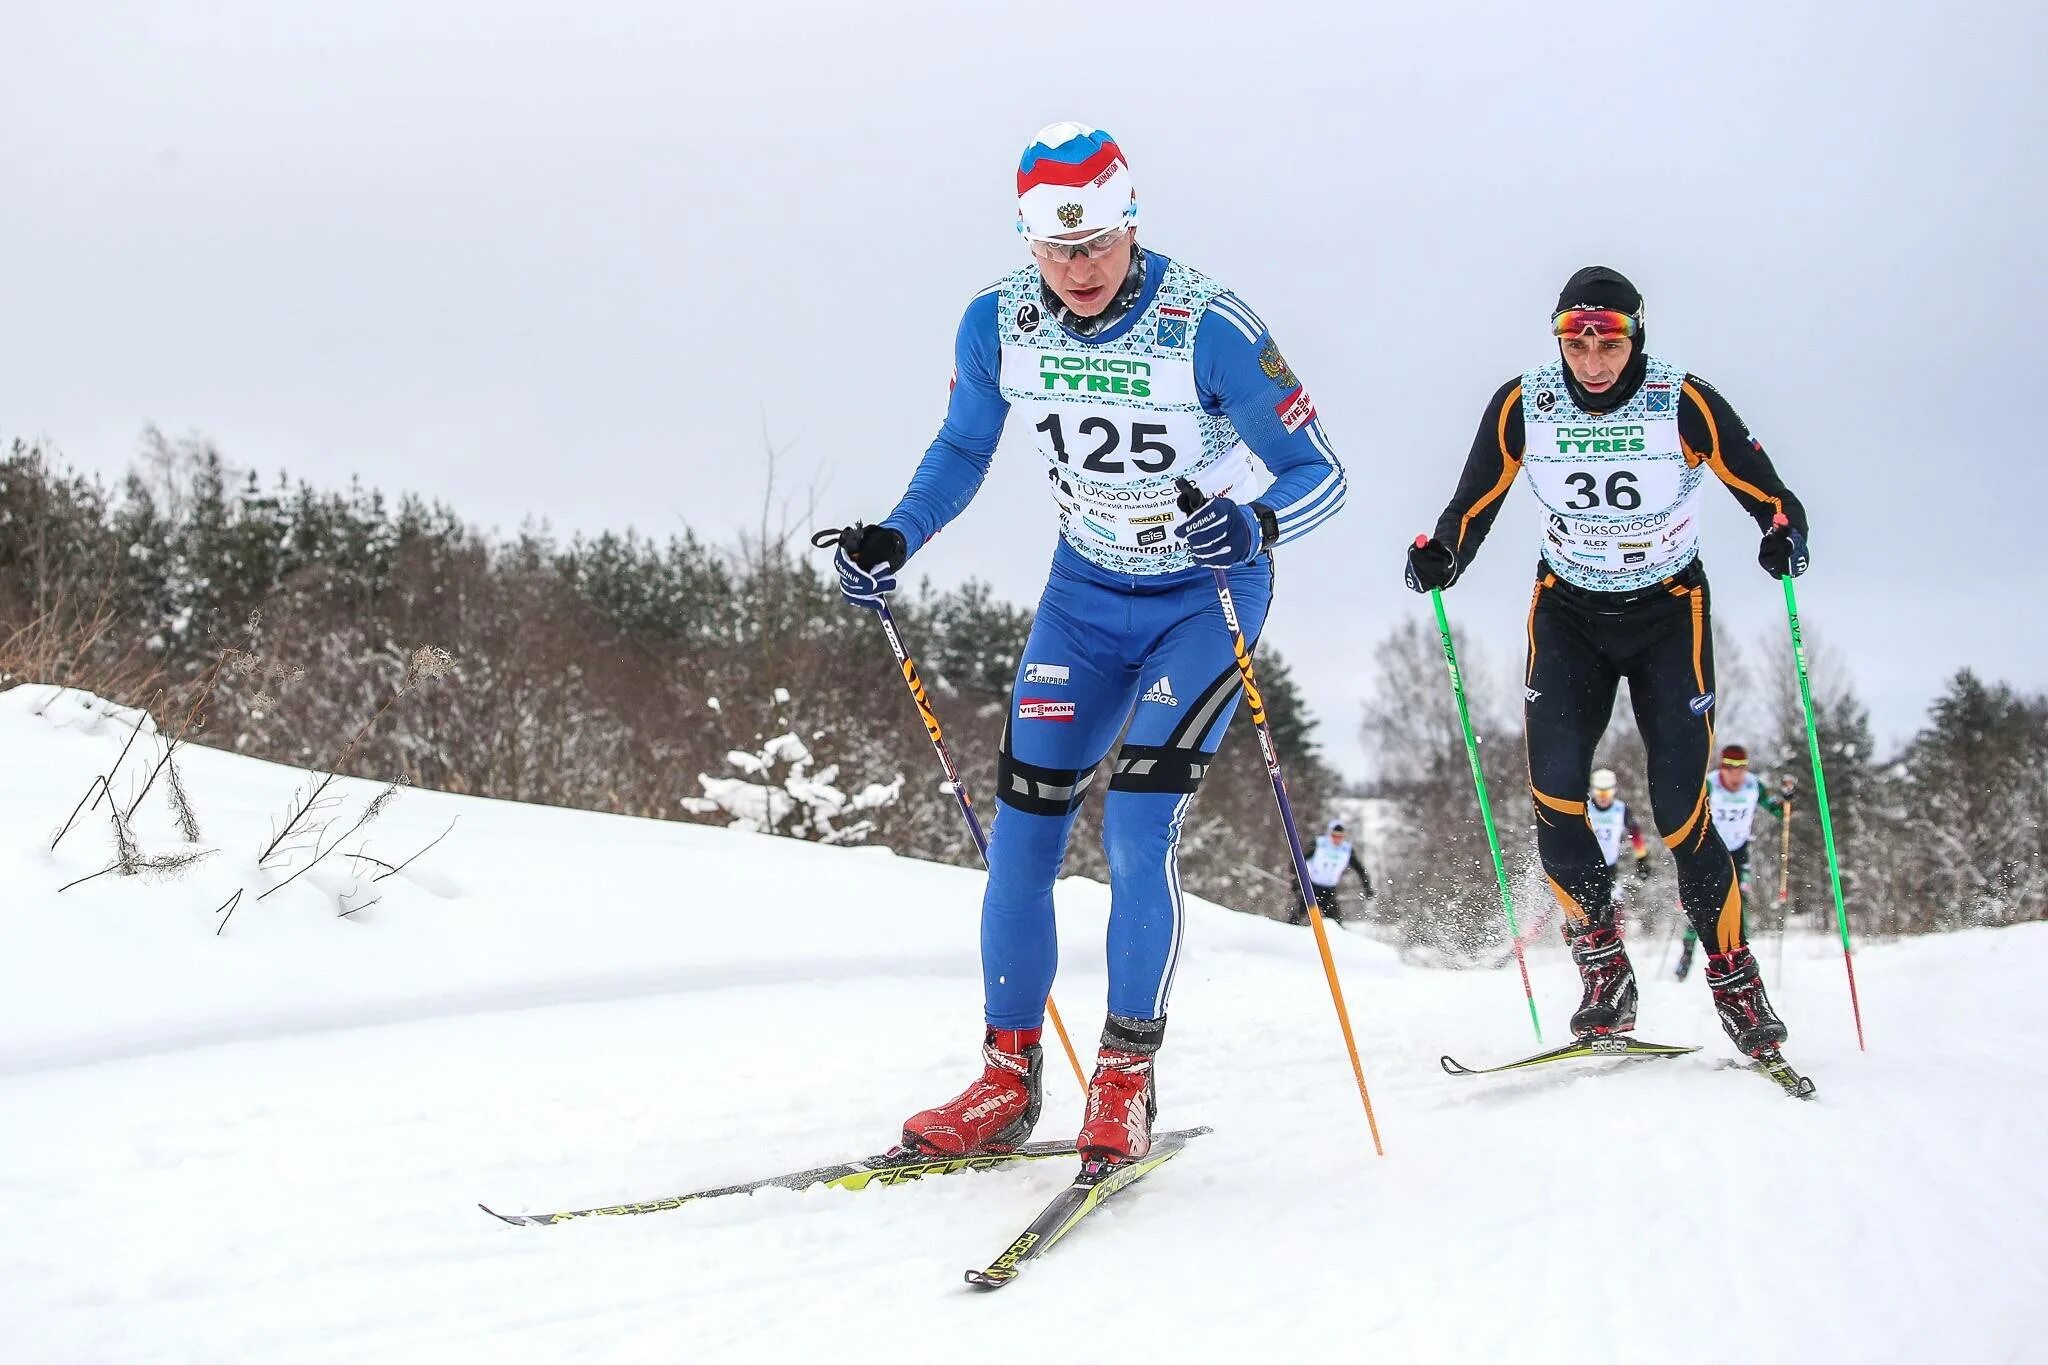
1092, 247
1605, 323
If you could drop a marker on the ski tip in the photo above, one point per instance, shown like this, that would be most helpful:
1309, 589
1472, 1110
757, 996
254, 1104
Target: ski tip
986, 1280
1453, 1067
1794, 1083
514, 1219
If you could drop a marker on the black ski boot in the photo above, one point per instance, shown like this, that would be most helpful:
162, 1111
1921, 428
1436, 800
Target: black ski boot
1746, 1013
1685, 957
1607, 1003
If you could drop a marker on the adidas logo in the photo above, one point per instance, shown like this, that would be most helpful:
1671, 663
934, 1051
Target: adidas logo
1162, 692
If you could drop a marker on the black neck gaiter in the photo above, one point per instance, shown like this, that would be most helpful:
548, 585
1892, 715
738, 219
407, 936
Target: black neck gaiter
1133, 285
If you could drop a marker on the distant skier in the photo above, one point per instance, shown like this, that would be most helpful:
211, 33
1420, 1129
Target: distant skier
1133, 370
1617, 444
1733, 797
1333, 855
1609, 816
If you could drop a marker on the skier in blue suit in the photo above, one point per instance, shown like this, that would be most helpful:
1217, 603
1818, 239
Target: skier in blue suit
1133, 371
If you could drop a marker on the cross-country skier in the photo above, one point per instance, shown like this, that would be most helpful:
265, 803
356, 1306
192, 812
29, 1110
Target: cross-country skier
1617, 444
1612, 822
1733, 799
1333, 855
1132, 370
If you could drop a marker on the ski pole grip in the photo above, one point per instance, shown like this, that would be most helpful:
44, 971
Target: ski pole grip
1781, 521
1421, 541
1190, 500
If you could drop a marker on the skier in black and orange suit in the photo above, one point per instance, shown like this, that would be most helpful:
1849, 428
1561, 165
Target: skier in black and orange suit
1617, 445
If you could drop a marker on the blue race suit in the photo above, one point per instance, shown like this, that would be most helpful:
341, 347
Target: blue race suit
1188, 383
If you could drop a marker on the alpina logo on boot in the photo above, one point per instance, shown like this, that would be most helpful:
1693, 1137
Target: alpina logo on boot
993, 1105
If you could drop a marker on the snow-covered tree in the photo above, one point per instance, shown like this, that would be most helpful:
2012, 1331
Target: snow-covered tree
780, 793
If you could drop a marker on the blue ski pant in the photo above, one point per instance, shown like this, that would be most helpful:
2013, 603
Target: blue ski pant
1106, 653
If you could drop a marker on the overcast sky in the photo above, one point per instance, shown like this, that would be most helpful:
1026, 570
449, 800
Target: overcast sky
560, 265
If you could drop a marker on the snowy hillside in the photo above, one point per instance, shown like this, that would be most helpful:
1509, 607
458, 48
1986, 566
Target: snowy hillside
267, 1144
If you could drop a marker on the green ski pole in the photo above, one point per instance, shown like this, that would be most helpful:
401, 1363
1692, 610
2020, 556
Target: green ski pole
1500, 867
1820, 793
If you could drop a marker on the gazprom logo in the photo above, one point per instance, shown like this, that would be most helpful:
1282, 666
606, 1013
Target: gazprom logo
1702, 704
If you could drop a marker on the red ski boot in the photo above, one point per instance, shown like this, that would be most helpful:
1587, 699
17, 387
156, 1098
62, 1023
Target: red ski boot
997, 1112
1746, 1013
1607, 999
1121, 1099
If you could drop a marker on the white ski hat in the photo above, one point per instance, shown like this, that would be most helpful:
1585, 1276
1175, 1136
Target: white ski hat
1073, 178
1603, 779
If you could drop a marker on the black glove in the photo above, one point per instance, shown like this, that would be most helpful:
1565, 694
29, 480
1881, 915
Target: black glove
1642, 869
1783, 552
1431, 564
867, 560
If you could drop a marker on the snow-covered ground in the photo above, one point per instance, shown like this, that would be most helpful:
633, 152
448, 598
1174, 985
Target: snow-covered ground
267, 1145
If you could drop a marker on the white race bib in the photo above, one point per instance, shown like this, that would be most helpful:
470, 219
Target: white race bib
1608, 827
1327, 863
1734, 812
1621, 497
1118, 421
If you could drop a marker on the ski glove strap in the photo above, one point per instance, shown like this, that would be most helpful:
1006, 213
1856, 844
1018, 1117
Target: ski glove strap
867, 562
1222, 534
1431, 565
1783, 552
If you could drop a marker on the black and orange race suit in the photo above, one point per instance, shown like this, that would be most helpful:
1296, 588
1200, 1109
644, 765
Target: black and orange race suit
1620, 593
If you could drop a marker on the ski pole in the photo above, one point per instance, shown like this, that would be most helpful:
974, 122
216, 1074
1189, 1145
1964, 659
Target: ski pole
1191, 500
1500, 867
827, 538
1785, 855
1784, 882
1670, 937
1820, 794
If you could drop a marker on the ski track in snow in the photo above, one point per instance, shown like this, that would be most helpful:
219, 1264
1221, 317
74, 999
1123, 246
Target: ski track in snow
267, 1146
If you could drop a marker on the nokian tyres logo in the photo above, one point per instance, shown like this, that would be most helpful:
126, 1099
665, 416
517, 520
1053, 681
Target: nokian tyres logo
1094, 374
1616, 439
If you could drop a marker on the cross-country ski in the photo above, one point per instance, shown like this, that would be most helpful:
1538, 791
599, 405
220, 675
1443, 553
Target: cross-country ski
897, 1167
1098, 1181
1597, 1046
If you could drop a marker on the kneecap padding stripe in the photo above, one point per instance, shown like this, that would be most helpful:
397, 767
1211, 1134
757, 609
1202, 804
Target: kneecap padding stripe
1035, 790
1158, 768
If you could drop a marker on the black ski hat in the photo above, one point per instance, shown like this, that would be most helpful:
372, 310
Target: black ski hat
1600, 286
